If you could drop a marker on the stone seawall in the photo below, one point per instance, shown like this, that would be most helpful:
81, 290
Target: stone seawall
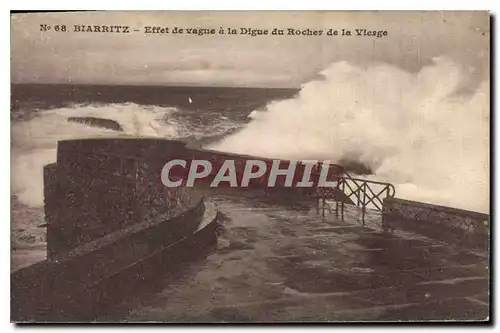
107, 211
462, 227
101, 186
48, 289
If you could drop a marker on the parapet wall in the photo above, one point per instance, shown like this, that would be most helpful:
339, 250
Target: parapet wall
100, 186
462, 227
48, 289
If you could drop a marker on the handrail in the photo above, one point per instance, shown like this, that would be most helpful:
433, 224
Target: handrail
368, 180
361, 193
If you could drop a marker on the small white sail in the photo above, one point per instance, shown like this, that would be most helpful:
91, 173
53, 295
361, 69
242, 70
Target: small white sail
190, 100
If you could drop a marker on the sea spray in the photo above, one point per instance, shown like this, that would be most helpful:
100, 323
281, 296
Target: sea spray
412, 129
34, 142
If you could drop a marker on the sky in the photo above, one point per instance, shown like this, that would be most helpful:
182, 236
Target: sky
413, 40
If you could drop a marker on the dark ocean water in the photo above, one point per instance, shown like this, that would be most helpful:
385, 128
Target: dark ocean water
198, 106
39, 115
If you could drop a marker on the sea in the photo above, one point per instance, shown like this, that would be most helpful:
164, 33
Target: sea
408, 129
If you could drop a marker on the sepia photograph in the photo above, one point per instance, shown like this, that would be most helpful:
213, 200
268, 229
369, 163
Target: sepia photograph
250, 166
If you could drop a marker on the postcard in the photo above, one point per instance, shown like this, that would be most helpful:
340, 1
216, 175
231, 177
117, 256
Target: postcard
250, 166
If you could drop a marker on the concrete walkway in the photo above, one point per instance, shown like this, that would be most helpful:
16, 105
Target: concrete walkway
276, 263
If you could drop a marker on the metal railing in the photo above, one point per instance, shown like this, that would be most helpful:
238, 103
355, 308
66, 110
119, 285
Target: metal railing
363, 193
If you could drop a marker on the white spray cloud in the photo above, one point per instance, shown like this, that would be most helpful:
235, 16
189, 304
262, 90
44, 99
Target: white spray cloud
34, 142
412, 129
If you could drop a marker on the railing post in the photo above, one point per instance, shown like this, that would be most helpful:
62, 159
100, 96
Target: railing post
337, 187
342, 204
363, 204
358, 193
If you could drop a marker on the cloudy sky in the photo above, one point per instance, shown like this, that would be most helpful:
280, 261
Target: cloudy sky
413, 40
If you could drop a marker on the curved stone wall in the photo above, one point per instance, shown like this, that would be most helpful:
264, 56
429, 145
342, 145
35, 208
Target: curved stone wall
48, 288
101, 186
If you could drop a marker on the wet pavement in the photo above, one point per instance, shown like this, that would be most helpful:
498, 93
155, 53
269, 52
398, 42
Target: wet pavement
287, 263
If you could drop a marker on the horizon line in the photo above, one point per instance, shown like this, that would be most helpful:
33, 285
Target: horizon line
149, 85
